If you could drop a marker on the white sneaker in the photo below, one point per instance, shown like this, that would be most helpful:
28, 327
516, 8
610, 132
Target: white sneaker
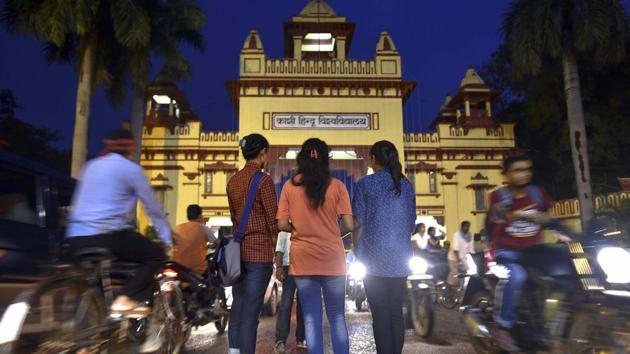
234, 351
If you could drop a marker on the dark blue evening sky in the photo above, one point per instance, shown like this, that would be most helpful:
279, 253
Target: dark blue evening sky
437, 41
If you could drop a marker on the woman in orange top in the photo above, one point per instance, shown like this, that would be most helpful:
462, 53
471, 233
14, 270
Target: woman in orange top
311, 204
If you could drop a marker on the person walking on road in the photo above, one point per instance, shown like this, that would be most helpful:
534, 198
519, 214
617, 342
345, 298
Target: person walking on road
283, 321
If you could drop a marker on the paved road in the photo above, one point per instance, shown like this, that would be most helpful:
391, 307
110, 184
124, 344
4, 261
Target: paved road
449, 336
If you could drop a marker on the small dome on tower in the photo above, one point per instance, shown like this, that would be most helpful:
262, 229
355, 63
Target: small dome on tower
385, 43
471, 78
253, 42
317, 8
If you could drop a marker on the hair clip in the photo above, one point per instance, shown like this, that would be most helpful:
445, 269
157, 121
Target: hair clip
243, 142
314, 154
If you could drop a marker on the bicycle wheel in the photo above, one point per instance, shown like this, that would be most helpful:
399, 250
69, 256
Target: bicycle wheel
170, 318
62, 315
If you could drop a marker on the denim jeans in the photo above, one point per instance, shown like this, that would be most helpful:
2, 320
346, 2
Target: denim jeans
283, 321
248, 295
386, 296
508, 290
310, 289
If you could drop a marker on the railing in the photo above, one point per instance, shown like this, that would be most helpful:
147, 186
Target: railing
320, 67
219, 137
427, 138
571, 207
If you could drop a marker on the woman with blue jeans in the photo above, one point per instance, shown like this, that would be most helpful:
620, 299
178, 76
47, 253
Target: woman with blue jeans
311, 204
384, 206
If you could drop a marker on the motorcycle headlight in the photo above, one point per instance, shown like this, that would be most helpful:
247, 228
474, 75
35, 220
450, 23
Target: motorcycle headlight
615, 262
472, 266
357, 271
418, 265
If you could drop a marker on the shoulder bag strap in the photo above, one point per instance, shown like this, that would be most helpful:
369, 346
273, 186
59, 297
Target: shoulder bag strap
249, 203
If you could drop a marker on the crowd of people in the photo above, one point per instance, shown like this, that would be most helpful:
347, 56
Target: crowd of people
301, 233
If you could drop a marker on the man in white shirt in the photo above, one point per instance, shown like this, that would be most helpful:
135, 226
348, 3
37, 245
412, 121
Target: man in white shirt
283, 321
102, 210
462, 245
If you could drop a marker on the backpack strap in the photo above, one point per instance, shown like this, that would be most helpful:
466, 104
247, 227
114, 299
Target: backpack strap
249, 203
536, 195
505, 196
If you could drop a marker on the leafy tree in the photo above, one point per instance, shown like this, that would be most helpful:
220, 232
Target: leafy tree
27, 140
535, 103
566, 29
88, 32
172, 23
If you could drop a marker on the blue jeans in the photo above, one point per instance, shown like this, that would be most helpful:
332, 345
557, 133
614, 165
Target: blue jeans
248, 294
310, 289
283, 321
508, 290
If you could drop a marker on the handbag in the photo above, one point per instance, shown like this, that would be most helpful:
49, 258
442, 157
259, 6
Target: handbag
229, 253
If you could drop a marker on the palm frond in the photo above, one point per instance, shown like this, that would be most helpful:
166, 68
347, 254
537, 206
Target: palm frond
131, 23
532, 30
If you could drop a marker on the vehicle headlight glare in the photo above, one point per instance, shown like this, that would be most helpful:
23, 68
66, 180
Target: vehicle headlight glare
615, 262
418, 265
357, 271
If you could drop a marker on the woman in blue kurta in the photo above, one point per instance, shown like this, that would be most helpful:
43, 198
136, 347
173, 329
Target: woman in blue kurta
384, 206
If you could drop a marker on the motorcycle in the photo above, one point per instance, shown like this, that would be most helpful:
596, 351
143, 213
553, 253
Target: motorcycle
199, 299
576, 298
355, 288
418, 307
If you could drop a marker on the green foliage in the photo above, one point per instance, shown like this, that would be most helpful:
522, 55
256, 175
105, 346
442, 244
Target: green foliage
537, 29
27, 140
536, 103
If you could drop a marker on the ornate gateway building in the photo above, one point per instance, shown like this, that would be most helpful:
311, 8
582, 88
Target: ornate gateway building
317, 91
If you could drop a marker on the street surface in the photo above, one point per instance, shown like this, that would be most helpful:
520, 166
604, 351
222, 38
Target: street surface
449, 336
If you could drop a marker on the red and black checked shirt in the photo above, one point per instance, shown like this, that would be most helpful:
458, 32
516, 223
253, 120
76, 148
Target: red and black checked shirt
262, 227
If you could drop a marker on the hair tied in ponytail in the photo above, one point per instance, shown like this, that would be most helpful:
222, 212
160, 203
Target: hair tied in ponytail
314, 154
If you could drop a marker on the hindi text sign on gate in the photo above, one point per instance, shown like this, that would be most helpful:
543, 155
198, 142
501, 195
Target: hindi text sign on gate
321, 121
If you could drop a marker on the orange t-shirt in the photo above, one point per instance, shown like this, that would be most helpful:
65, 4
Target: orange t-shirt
316, 245
191, 246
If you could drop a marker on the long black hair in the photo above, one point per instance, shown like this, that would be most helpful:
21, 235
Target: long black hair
386, 155
314, 168
252, 145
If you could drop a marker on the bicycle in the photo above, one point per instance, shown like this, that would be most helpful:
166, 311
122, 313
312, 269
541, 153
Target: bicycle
69, 312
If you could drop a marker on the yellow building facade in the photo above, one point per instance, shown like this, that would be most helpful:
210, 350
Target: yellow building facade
316, 90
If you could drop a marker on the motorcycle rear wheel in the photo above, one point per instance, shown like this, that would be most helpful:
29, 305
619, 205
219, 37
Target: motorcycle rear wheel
422, 315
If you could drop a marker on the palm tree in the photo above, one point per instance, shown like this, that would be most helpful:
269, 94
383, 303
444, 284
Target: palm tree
172, 23
85, 31
539, 29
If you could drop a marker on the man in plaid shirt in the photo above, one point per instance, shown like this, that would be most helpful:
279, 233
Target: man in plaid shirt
257, 247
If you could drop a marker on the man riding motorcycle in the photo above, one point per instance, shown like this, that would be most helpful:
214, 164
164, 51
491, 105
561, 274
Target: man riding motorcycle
191, 241
516, 218
101, 214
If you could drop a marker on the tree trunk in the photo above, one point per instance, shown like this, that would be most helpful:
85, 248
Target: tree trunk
84, 100
579, 148
138, 114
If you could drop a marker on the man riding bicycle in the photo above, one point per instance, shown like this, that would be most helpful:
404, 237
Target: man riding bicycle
101, 215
